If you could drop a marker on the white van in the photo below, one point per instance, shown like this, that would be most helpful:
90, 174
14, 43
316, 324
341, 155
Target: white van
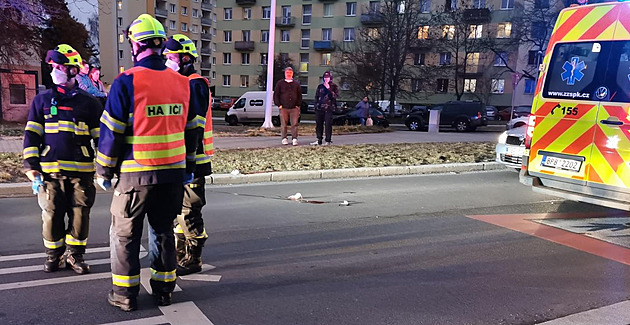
251, 108
384, 107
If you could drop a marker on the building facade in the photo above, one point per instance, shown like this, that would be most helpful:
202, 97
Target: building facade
193, 18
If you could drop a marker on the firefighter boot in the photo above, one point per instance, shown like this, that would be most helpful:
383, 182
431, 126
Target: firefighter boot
122, 302
53, 263
75, 262
180, 247
163, 298
192, 261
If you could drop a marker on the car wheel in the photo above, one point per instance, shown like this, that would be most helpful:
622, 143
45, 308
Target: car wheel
415, 125
385, 124
462, 125
275, 120
231, 120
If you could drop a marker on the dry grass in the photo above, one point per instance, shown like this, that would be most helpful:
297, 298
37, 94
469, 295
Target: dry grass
11, 168
303, 129
10, 129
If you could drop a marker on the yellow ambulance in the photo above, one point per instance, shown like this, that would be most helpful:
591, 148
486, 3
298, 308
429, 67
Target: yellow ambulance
578, 136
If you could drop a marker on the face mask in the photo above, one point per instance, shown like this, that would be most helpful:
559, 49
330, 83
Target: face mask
173, 65
59, 77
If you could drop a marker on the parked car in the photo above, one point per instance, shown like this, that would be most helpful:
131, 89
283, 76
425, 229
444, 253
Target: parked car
511, 147
307, 107
216, 103
353, 117
226, 103
251, 108
463, 116
383, 106
492, 113
517, 122
523, 110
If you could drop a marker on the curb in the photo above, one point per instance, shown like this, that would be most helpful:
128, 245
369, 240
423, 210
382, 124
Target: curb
22, 189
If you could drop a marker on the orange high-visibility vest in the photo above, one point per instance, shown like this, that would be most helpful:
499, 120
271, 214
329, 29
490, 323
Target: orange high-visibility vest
160, 112
208, 142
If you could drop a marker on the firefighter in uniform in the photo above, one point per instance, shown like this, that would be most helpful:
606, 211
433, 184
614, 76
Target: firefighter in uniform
148, 139
190, 234
59, 160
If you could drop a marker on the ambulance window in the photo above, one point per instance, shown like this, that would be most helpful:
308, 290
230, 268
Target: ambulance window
618, 78
576, 69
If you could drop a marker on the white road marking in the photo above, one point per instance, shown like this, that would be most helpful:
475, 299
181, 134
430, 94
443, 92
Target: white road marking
143, 321
615, 314
184, 313
67, 279
201, 277
145, 276
43, 255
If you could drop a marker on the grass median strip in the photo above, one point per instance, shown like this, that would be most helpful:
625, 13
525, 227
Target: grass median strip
249, 161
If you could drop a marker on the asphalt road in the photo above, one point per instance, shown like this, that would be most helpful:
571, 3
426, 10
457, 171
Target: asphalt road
405, 250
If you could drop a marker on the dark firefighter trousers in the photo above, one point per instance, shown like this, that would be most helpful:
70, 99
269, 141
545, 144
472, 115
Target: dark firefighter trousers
161, 203
190, 219
61, 196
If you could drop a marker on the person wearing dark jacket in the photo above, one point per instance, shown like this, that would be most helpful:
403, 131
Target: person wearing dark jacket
59, 160
364, 106
325, 104
287, 95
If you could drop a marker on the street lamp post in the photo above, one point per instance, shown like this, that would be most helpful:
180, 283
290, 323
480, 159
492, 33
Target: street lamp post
270, 65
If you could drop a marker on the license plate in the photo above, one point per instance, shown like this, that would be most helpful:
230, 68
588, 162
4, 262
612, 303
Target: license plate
514, 151
561, 163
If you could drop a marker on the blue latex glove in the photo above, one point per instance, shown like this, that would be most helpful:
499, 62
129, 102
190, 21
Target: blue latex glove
188, 178
37, 184
105, 184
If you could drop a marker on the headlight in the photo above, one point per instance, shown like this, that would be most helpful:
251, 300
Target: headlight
407, 116
503, 137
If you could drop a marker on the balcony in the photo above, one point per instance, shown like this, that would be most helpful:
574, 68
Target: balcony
206, 51
245, 2
206, 36
206, 21
477, 15
244, 45
323, 45
206, 6
285, 21
206, 65
421, 44
161, 12
372, 19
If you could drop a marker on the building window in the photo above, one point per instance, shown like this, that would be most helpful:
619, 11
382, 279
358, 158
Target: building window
184, 27
185, 11
303, 84
263, 58
172, 8
227, 14
247, 13
195, 13
479, 4
244, 81
416, 85
504, 30
498, 86
303, 62
419, 58
448, 31
247, 35
533, 58
374, 7
266, 12
541, 4
326, 34
472, 63
348, 34
121, 38
121, 69
326, 58
500, 59
264, 36
328, 10
214, 74
451, 5
423, 32
214, 18
530, 86
306, 38
214, 47
400, 7
214, 32
372, 33
227, 80
307, 12
476, 31
539, 30
227, 58
119, 4
285, 36
120, 21
172, 25
286, 13
351, 8
214, 60
227, 36
17, 94
442, 85
425, 6
194, 29
445, 58
507, 4
121, 54
245, 58
470, 85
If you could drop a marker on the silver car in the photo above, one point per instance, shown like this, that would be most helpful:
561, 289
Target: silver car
511, 147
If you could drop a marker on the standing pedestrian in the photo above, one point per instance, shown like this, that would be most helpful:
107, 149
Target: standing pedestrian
85, 83
325, 104
190, 232
287, 95
59, 160
364, 106
95, 78
149, 140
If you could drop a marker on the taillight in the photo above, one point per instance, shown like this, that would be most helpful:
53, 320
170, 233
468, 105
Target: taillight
531, 122
478, 114
379, 116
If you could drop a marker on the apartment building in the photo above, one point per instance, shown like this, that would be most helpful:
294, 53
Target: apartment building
193, 18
